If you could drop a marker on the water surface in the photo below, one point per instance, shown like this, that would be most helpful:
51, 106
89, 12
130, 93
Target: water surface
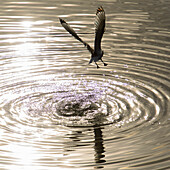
56, 110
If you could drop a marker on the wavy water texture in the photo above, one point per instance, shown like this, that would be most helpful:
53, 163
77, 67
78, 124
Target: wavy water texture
56, 110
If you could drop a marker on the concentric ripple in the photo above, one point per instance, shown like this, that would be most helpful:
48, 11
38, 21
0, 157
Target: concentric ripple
57, 111
83, 101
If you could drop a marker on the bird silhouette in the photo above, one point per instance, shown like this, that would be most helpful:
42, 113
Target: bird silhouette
97, 52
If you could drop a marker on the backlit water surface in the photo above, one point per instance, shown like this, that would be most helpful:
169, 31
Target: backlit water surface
58, 112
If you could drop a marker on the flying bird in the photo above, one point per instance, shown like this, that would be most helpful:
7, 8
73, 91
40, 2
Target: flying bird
97, 52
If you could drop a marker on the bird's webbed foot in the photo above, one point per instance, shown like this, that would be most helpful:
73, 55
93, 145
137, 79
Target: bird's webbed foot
97, 65
104, 63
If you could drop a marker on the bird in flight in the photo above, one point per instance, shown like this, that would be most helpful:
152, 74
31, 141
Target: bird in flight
97, 52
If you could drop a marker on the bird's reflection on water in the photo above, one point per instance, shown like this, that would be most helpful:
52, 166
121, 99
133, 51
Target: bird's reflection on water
98, 145
96, 141
56, 111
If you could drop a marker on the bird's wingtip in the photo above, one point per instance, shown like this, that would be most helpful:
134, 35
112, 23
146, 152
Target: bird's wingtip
61, 20
100, 9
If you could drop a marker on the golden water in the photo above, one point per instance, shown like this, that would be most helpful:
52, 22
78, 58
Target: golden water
58, 112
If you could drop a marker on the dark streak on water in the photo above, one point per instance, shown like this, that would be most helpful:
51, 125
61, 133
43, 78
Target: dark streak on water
58, 111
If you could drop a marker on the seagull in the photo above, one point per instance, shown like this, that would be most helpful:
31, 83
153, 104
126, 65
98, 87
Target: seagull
97, 52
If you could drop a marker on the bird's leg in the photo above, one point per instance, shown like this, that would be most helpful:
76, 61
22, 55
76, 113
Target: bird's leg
97, 65
103, 62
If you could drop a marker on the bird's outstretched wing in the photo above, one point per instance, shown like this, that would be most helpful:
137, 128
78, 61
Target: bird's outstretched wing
99, 28
73, 33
